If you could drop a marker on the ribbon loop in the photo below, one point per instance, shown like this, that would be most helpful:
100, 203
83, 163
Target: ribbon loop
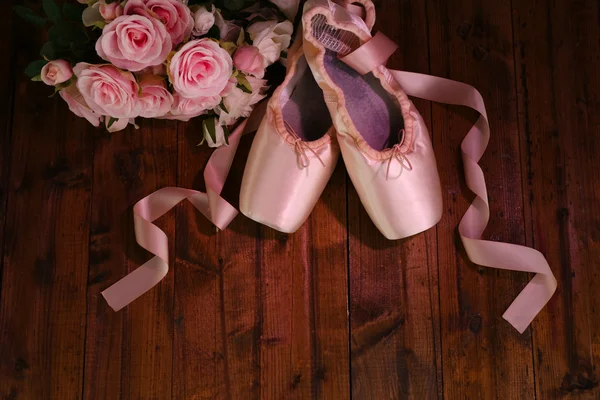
484, 252
150, 208
364, 9
372, 54
400, 156
540, 289
300, 148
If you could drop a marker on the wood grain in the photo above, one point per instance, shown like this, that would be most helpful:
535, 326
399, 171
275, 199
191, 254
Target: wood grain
6, 104
393, 284
334, 311
42, 306
472, 42
327, 247
129, 353
304, 346
559, 92
287, 320
239, 274
197, 367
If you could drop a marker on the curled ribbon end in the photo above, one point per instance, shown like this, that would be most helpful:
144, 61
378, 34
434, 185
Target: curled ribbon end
520, 326
151, 238
111, 302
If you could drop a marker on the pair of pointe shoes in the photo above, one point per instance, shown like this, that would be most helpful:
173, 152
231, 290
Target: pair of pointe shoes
337, 97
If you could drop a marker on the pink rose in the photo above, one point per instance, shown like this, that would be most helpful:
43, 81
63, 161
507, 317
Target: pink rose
110, 11
249, 60
56, 72
78, 106
176, 16
185, 109
108, 90
134, 42
155, 100
203, 20
200, 69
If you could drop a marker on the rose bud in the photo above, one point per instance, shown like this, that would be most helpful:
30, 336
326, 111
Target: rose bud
56, 72
110, 11
249, 60
203, 21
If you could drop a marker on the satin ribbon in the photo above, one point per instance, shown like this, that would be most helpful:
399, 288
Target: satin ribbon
540, 289
372, 54
150, 208
364, 9
210, 204
484, 252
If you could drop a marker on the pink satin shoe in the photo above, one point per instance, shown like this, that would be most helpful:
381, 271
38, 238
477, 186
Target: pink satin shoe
383, 139
295, 149
293, 154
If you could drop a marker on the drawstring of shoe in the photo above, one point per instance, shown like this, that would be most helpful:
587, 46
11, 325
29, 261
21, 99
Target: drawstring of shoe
300, 148
399, 155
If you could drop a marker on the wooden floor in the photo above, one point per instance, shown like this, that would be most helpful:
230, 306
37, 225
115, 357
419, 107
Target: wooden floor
334, 311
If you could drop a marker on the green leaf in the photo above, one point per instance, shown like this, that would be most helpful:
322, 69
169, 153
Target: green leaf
71, 12
66, 84
244, 84
49, 51
29, 16
244, 88
55, 35
229, 47
233, 4
226, 134
202, 2
37, 78
52, 10
99, 25
222, 105
111, 121
208, 125
67, 33
82, 52
35, 68
53, 50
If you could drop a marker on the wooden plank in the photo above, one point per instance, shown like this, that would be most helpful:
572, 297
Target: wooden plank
559, 92
393, 285
42, 306
6, 103
255, 336
328, 249
217, 330
197, 365
285, 349
129, 353
304, 336
472, 42
239, 275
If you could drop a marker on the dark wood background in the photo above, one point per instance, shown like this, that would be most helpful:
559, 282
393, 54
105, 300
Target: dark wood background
333, 311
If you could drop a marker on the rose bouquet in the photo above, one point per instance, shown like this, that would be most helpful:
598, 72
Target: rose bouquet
114, 61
